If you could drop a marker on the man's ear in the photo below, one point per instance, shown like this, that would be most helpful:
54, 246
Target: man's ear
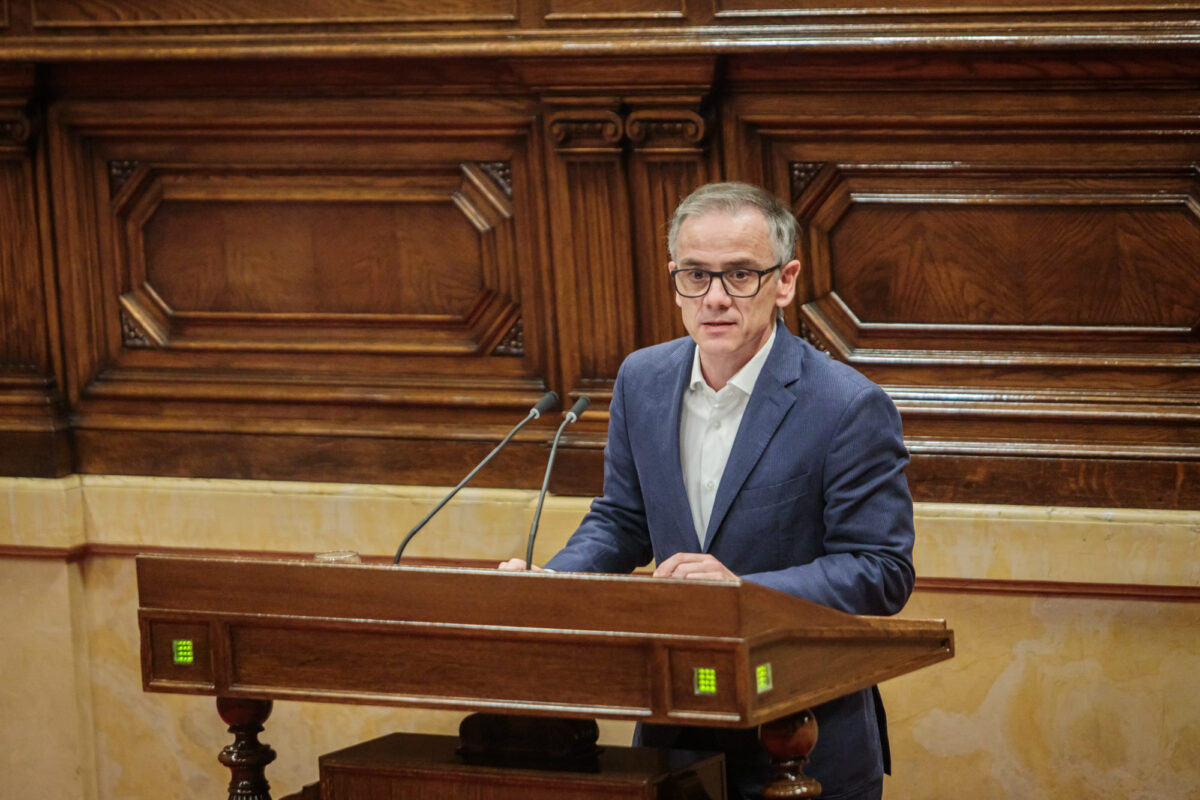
789, 273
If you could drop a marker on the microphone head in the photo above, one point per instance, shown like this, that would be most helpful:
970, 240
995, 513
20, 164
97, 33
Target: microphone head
580, 406
549, 400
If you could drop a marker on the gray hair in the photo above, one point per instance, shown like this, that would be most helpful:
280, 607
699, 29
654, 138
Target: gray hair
731, 198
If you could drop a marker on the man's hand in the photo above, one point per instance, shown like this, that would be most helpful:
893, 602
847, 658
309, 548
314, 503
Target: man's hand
516, 565
700, 566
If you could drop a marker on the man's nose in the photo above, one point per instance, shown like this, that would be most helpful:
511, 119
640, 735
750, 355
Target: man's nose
716, 294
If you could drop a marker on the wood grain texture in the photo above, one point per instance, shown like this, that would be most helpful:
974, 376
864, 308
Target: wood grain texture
94, 13
1019, 270
34, 429
536, 643
342, 268
49, 29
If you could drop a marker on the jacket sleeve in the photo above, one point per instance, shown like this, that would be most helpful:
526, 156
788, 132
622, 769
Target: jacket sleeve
866, 566
613, 537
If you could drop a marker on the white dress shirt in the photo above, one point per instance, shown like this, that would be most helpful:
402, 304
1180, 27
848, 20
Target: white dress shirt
708, 424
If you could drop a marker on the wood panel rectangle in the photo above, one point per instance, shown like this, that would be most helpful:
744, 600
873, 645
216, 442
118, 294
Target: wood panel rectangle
604, 10
470, 664
730, 10
134, 13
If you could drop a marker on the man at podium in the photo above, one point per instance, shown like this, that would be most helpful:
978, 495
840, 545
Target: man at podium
742, 451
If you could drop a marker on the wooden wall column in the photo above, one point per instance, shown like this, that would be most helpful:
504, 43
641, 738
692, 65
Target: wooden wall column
670, 155
33, 425
590, 238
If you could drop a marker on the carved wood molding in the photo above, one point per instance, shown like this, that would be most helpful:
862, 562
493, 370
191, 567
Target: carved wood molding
17, 129
532, 28
584, 129
811, 337
119, 173
132, 334
673, 128
642, 128
802, 174
513, 343
501, 174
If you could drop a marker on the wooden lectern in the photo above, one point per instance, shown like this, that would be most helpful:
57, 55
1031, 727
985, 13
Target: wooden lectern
250, 631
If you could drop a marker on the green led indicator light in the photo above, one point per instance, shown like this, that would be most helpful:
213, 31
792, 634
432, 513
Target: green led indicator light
762, 678
183, 650
705, 679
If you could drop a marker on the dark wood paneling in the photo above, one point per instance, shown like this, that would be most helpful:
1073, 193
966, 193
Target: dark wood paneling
669, 158
98, 13
606, 10
293, 271
591, 247
342, 268
50, 29
1015, 260
33, 426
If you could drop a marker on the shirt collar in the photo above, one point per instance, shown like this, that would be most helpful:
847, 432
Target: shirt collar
745, 377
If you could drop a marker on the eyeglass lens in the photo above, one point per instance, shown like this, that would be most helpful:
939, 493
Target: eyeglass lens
737, 282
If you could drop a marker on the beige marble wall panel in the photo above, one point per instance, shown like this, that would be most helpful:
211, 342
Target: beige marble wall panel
41, 513
1051, 698
1046, 698
45, 738
953, 541
304, 517
1058, 544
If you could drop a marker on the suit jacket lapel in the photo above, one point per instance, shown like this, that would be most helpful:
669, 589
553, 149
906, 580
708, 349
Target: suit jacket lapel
769, 402
674, 493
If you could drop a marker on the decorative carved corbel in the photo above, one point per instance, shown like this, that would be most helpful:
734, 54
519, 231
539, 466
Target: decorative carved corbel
501, 174
132, 334
665, 128
118, 173
16, 130
802, 173
585, 128
513, 343
811, 337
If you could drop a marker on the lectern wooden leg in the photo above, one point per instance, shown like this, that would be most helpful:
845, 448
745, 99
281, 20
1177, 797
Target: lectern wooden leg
247, 757
789, 740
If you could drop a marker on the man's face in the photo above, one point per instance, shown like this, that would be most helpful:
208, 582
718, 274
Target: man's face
729, 330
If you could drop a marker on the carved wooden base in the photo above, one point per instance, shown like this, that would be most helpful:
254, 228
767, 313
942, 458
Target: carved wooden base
247, 757
789, 740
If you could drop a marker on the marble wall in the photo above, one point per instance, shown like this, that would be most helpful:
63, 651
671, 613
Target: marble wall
1055, 691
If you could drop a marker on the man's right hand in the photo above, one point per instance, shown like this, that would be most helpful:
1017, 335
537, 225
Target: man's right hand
516, 565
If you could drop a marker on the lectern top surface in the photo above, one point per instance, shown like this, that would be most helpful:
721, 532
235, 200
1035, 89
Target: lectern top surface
483, 597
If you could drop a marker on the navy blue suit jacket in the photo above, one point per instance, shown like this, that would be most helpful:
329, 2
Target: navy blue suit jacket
813, 502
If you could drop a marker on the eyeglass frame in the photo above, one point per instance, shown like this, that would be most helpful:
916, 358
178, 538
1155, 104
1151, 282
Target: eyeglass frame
719, 274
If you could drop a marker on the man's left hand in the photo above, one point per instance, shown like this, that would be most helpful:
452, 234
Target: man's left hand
700, 566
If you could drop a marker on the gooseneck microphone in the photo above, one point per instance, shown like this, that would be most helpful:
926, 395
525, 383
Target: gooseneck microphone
575, 413
548, 401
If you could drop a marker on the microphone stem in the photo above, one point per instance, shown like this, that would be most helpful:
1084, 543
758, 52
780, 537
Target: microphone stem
537, 514
462, 483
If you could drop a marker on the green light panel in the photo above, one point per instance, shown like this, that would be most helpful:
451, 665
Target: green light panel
705, 680
183, 650
762, 677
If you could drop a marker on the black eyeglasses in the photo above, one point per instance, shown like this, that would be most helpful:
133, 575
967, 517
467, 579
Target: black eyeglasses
738, 282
